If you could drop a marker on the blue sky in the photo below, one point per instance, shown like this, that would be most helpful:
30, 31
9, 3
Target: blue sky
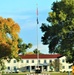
23, 12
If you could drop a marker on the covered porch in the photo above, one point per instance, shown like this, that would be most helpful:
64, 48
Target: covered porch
42, 67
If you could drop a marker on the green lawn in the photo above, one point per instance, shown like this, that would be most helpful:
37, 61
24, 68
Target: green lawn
51, 73
60, 73
13, 74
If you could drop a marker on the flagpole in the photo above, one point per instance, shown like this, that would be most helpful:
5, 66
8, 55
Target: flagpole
37, 38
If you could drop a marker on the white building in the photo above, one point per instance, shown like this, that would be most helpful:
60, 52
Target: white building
30, 62
65, 66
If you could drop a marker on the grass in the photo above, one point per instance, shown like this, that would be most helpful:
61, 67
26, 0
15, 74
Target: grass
51, 73
60, 73
14, 74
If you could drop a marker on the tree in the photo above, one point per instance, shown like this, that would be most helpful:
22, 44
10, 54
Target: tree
59, 33
51, 65
29, 53
2, 65
22, 46
36, 51
8, 39
55, 65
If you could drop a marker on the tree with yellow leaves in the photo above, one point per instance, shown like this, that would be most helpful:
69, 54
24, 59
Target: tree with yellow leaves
8, 38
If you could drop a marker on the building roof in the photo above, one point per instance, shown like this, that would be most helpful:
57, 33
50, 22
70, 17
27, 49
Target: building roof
41, 56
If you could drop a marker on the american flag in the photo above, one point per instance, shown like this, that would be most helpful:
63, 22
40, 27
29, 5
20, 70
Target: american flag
37, 15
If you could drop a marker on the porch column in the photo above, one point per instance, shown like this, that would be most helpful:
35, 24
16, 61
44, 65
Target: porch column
48, 68
30, 68
42, 68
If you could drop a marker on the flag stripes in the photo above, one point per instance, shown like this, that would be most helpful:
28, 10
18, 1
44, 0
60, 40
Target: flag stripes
37, 15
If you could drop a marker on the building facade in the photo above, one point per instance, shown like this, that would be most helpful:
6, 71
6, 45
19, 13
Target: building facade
45, 62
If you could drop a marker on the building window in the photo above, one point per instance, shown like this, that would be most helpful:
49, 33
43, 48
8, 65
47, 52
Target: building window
27, 61
69, 67
50, 61
32, 61
45, 67
14, 61
14, 67
27, 67
63, 60
63, 67
21, 61
8, 68
44, 61
33, 67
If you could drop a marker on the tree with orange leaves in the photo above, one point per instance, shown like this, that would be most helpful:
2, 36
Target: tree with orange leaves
8, 38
